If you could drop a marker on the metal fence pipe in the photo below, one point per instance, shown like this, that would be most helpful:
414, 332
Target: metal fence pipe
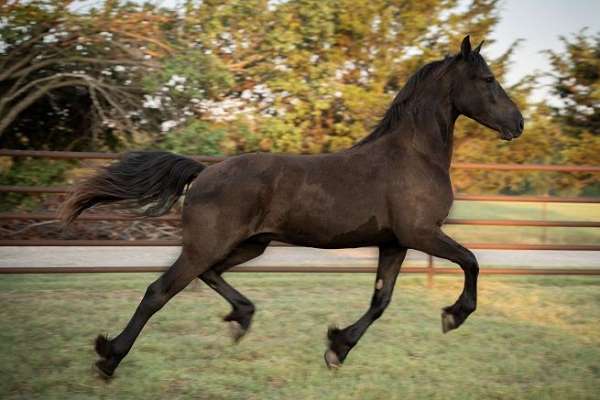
76, 155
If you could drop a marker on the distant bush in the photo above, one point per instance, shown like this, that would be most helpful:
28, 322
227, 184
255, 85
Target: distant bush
30, 172
198, 138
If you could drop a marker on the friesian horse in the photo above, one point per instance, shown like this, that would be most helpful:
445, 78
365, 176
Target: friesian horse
391, 190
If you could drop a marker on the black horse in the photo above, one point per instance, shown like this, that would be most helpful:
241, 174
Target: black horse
391, 190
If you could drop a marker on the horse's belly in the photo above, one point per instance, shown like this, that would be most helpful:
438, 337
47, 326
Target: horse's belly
328, 233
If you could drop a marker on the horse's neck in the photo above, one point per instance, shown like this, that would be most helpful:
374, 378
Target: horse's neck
426, 126
429, 130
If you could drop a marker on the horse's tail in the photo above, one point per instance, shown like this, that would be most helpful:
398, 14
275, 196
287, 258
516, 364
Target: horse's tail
150, 181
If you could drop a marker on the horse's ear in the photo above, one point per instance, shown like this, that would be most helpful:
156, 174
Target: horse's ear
476, 50
465, 47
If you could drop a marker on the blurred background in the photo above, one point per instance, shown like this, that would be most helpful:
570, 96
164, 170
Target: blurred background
218, 78
224, 77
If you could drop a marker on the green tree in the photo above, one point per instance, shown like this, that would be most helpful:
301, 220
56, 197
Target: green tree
196, 138
300, 76
564, 134
576, 81
326, 70
72, 80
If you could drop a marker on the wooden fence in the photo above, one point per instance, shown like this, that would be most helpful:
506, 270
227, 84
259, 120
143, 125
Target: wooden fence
431, 269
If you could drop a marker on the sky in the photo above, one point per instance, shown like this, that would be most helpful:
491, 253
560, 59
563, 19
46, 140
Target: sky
540, 23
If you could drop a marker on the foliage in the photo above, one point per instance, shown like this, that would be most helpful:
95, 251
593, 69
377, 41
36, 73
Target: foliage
326, 68
299, 76
30, 172
191, 74
71, 80
576, 80
196, 138
34, 172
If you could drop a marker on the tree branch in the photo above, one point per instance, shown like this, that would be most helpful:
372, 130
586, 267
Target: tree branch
32, 98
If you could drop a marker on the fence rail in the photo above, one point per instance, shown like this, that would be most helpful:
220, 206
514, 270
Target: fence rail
175, 218
457, 196
311, 269
167, 242
74, 155
430, 269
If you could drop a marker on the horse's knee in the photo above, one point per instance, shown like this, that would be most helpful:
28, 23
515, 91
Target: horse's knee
469, 263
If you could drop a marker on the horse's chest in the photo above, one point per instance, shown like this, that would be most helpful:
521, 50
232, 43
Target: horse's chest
422, 199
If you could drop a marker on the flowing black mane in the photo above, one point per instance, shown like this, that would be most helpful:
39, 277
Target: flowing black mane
411, 90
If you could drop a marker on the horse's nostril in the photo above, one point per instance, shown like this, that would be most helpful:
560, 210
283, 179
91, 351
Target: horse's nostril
521, 125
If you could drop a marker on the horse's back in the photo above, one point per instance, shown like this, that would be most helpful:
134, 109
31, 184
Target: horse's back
332, 200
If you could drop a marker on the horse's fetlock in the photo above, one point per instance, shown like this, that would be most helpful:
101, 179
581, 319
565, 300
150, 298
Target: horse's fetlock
247, 307
103, 346
469, 305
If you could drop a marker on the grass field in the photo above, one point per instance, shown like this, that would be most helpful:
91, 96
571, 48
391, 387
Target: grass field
531, 338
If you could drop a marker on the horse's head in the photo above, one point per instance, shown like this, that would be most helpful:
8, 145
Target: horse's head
478, 95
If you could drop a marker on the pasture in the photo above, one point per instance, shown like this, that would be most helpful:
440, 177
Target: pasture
531, 338
524, 211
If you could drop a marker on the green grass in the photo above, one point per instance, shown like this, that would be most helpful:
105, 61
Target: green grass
507, 210
531, 338
531, 211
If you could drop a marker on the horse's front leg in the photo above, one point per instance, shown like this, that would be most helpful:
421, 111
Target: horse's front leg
437, 243
341, 341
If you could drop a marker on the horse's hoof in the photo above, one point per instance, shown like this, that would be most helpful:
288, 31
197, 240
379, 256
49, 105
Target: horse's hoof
236, 331
332, 360
103, 370
448, 321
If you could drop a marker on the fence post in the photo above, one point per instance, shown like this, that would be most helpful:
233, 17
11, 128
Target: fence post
430, 271
544, 218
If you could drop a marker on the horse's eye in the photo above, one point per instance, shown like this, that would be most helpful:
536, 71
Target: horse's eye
489, 79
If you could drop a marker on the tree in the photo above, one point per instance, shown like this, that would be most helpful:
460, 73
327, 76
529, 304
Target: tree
315, 76
576, 81
564, 134
325, 70
72, 77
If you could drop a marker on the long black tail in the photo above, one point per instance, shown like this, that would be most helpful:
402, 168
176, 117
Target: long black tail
150, 181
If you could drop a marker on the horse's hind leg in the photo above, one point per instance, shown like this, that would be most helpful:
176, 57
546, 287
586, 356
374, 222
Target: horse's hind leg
177, 277
341, 341
242, 311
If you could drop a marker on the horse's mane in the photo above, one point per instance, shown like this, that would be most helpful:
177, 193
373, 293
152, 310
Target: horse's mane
409, 92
